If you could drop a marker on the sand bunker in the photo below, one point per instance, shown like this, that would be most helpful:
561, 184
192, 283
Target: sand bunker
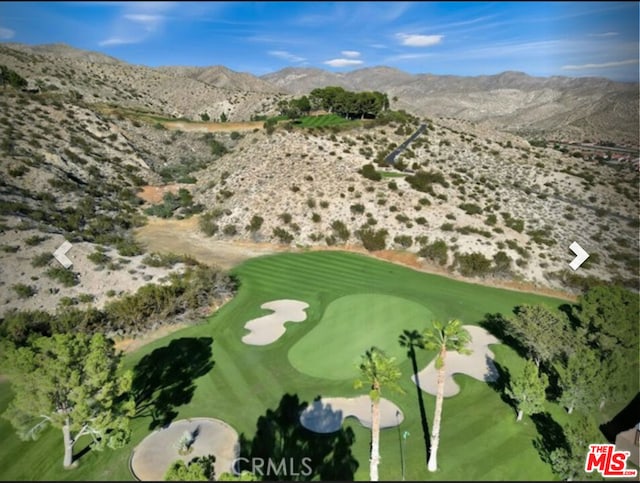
269, 328
153, 456
327, 414
479, 364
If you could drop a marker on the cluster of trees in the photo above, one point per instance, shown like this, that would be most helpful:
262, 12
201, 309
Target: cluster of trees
585, 357
351, 105
11, 78
197, 288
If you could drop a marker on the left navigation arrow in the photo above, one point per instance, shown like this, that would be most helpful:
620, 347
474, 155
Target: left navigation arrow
61, 254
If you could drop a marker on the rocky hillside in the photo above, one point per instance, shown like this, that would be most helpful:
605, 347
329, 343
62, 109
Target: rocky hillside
570, 108
466, 198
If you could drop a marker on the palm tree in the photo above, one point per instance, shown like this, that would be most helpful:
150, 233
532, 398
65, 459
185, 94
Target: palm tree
377, 371
412, 339
443, 338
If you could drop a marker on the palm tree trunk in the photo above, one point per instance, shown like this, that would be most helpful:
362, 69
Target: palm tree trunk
375, 439
435, 435
68, 445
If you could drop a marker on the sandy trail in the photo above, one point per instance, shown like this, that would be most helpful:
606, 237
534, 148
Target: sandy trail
213, 126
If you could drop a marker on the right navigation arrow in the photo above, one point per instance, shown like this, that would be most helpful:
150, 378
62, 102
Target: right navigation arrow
581, 255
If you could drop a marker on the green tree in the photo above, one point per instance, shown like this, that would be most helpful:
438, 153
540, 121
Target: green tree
527, 389
568, 460
243, 476
73, 382
377, 371
198, 469
581, 381
544, 334
443, 338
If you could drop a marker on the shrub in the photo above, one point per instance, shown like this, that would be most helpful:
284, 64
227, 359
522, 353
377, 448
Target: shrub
340, 230
472, 264
41, 260
405, 241
421, 220
99, 258
446, 227
315, 217
372, 239
369, 172
128, 247
470, 208
23, 291
207, 224
35, 240
62, 275
436, 252
424, 181
392, 185
358, 208
255, 224
285, 217
283, 235
501, 263
230, 229
491, 220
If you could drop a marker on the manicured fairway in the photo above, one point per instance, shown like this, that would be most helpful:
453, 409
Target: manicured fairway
350, 326
322, 121
207, 371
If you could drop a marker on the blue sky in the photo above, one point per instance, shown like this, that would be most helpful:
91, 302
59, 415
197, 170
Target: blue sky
459, 38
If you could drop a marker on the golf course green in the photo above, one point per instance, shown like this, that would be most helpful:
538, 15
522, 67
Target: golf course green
351, 325
205, 370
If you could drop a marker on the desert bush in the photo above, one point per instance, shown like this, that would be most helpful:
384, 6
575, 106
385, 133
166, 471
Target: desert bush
470, 208
99, 258
128, 247
41, 259
372, 239
23, 291
357, 208
369, 172
283, 235
501, 263
230, 229
285, 217
207, 224
35, 240
436, 251
424, 181
255, 224
62, 275
405, 241
472, 264
340, 230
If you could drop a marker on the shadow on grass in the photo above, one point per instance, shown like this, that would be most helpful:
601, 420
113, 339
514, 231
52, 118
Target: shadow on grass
164, 379
497, 325
624, 420
284, 450
501, 382
550, 436
410, 340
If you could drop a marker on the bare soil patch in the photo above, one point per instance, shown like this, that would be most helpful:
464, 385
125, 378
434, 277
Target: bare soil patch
213, 126
154, 194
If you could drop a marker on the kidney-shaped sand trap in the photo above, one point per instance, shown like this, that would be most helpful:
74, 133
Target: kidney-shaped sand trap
327, 414
269, 328
155, 453
479, 364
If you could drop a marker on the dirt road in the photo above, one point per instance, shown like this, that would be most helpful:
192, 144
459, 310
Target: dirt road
213, 126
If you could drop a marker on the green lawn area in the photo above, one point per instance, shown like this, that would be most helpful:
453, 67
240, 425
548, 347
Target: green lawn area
351, 325
205, 370
321, 121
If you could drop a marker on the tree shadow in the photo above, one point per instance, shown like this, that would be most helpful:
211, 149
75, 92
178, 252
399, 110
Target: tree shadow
164, 379
624, 420
550, 436
410, 339
570, 311
284, 450
501, 382
497, 325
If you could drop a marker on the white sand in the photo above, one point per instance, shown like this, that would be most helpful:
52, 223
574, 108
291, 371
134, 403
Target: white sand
153, 456
269, 328
327, 414
479, 364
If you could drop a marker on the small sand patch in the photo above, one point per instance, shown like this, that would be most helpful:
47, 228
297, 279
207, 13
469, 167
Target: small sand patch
327, 414
153, 456
269, 328
479, 364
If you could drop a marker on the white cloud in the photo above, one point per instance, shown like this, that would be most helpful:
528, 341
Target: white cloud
6, 33
605, 34
117, 41
413, 40
342, 62
350, 53
283, 54
600, 66
407, 57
